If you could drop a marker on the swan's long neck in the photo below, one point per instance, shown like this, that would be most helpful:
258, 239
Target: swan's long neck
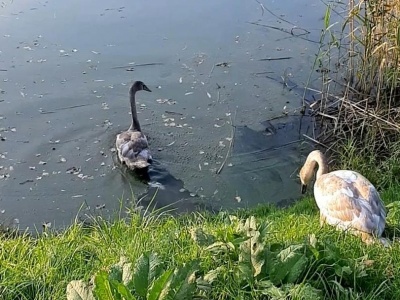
135, 122
319, 159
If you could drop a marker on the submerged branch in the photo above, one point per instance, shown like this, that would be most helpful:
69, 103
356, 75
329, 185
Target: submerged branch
291, 32
276, 58
230, 144
138, 65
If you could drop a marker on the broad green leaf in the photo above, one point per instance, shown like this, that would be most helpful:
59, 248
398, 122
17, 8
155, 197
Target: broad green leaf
269, 289
160, 287
79, 290
114, 289
252, 253
254, 257
121, 290
278, 272
183, 282
244, 273
332, 253
285, 261
146, 269
263, 284
342, 271
237, 241
287, 253
102, 288
115, 273
297, 269
263, 229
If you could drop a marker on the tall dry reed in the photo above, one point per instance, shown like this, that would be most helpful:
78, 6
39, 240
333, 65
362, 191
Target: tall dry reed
360, 71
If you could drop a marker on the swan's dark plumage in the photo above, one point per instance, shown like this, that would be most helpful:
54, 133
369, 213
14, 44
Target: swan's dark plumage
132, 146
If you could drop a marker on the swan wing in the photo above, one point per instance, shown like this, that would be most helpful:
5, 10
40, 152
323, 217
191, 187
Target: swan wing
349, 200
133, 149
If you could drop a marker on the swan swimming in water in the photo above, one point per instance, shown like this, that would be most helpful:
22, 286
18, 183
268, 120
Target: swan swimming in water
346, 199
132, 146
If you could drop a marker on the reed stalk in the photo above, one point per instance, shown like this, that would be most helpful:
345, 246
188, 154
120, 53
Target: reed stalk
360, 95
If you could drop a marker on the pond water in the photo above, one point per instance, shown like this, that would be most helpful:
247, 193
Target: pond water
65, 72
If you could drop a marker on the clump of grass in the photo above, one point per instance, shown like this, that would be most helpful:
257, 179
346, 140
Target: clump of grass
334, 266
360, 95
382, 171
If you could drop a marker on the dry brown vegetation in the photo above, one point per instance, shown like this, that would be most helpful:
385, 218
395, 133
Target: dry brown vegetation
359, 104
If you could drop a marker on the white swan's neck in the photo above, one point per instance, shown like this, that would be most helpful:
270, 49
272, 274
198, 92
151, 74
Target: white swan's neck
317, 158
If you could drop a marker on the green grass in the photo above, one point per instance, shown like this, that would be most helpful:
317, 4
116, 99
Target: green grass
383, 172
41, 268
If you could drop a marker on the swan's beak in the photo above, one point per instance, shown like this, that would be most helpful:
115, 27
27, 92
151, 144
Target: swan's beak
303, 188
146, 88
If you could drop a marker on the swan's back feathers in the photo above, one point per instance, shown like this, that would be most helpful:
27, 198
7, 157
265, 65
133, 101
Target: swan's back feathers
133, 149
349, 201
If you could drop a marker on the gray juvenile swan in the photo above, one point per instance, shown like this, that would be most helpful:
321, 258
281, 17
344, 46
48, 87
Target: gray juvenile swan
346, 199
132, 146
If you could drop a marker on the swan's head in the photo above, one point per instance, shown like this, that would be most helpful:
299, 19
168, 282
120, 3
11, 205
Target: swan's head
139, 86
305, 177
307, 171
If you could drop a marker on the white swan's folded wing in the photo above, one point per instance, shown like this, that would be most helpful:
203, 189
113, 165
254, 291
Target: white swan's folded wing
350, 202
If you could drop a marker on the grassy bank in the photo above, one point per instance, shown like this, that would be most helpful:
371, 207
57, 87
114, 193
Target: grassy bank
284, 258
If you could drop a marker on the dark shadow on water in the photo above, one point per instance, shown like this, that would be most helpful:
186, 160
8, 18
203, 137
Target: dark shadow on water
265, 162
278, 133
263, 171
167, 192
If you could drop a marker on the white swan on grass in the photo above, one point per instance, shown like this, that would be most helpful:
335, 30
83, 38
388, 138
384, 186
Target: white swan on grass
346, 199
